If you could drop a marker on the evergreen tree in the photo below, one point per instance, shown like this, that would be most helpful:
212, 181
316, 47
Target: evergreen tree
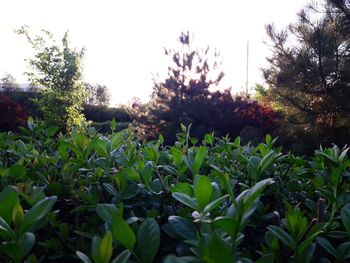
185, 96
310, 75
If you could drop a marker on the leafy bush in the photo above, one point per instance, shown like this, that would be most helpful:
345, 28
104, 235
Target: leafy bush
218, 112
95, 113
12, 114
101, 113
85, 197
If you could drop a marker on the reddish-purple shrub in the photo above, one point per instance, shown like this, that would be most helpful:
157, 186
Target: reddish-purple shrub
12, 115
216, 112
260, 115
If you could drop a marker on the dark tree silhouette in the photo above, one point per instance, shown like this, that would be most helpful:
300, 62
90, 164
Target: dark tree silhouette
190, 94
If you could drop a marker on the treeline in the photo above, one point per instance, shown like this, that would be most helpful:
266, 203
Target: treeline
305, 99
17, 105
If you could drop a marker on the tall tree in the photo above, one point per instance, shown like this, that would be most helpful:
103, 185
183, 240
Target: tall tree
58, 69
342, 7
184, 96
309, 73
98, 94
8, 83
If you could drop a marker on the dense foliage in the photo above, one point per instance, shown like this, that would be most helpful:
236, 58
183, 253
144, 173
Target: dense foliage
100, 113
310, 76
102, 116
84, 197
191, 194
58, 69
94, 113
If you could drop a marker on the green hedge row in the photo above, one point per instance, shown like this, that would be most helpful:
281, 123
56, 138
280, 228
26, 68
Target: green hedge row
87, 197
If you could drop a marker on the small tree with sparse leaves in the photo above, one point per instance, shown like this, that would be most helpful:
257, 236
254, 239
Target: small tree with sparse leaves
58, 69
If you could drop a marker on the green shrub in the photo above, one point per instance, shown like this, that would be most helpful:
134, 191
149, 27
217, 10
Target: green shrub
87, 197
101, 113
57, 68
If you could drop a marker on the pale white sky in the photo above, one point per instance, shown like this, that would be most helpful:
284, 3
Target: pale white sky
124, 40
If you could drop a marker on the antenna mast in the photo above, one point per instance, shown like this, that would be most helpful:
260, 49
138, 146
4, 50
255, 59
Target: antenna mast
246, 83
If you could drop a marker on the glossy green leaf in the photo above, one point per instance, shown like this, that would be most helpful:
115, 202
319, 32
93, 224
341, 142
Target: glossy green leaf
26, 243
219, 250
148, 240
51, 131
147, 173
84, 258
214, 204
122, 257
37, 212
8, 200
202, 190
182, 227
199, 158
101, 147
282, 236
296, 223
266, 161
255, 192
186, 200
108, 212
184, 188
343, 251
17, 214
5, 229
327, 246
17, 171
79, 139
123, 233
116, 140
113, 124
95, 249
105, 249
268, 258
345, 217
228, 224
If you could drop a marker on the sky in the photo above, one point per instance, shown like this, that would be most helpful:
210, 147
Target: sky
125, 40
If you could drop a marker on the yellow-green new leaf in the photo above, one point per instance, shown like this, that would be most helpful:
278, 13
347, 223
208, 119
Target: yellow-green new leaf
123, 233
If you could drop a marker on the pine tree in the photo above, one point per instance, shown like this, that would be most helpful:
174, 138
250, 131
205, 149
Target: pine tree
309, 73
187, 96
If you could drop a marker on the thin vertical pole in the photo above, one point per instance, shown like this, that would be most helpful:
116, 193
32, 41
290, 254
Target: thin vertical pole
247, 72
